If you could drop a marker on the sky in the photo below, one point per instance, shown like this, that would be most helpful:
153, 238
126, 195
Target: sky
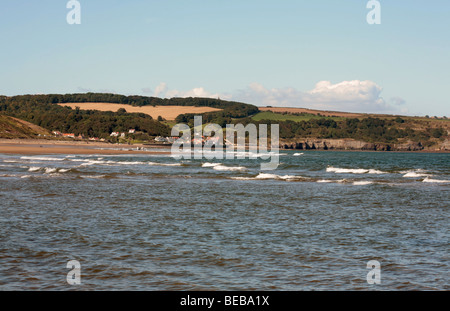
320, 54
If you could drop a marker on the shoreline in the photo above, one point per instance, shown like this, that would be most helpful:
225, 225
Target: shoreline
41, 147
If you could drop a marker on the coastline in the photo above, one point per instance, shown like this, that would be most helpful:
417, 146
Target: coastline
38, 147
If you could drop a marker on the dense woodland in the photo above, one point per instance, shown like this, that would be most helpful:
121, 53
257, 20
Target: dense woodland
43, 110
376, 130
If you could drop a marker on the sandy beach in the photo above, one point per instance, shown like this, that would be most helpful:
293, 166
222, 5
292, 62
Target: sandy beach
40, 147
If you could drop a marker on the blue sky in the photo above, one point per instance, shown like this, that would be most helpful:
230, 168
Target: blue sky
316, 54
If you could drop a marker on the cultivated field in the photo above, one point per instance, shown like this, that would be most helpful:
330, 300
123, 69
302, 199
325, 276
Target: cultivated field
167, 112
311, 111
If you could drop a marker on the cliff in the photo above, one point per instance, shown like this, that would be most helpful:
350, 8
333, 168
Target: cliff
351, 144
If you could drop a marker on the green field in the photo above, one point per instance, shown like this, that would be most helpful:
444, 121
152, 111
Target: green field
268, 115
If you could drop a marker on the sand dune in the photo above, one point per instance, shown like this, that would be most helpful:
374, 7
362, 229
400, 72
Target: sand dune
167, 112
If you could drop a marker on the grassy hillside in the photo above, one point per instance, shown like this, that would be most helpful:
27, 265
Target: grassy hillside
269, 115
14, 128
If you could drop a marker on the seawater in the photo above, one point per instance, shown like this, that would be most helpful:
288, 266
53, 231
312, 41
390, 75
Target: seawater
149, 222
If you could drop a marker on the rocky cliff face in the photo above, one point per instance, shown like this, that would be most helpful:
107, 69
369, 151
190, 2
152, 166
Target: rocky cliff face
351, 144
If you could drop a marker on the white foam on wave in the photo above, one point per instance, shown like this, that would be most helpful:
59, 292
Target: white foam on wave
92, 162
228, 168
362, 183
374, 171
93, 176
163, 164
210, 164
42, 159
266, 176
298, 154
429, 180
88, 162
347, 170
338, 170
34, 169
413, 174
50, 170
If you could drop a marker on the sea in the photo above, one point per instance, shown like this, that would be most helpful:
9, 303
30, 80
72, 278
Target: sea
153, 223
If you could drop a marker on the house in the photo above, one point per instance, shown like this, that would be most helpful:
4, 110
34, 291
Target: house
115, 134
57, 133
132, 131
122, 135
160, 139
68, 135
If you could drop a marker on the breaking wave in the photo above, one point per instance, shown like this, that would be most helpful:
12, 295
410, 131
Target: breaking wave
228, 168
42, 158
418, 173
429, 180
338, 170
265, 176
362, 183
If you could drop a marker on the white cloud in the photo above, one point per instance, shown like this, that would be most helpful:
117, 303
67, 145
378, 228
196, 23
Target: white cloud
160, 89
351, 96
163, 91
354, 96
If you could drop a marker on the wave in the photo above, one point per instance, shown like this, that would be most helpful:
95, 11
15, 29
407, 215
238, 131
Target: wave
93, 176
429, 180
362, 183
221, 167
228, 168
373, 171
50, 170
210, 164
338, 170
415, 174
298, 154
164, 164
42, 158
265, 176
